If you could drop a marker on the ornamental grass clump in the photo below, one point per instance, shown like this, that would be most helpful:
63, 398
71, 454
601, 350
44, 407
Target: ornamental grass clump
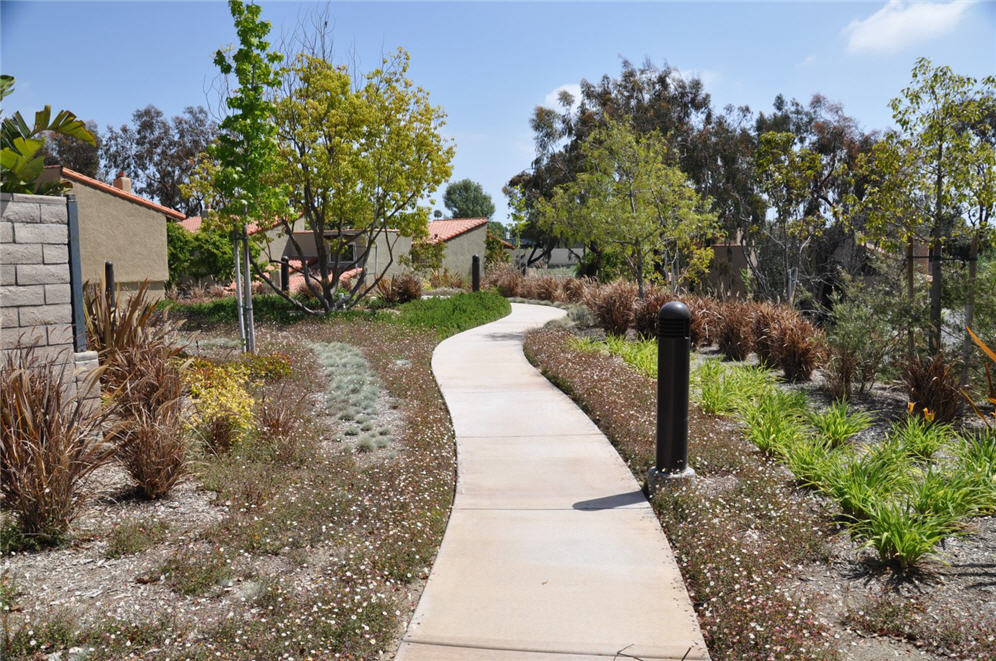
735, 329
541, 288
919, 438
837, 425
704, 320
976, 459
722, 389
400, 288
50, 442
798, 347
932, 387
613, 306
647, 310
775, 419
149, 439
767, 318
505, 278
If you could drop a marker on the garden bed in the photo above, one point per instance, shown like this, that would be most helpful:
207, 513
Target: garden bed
310, 537
770, 567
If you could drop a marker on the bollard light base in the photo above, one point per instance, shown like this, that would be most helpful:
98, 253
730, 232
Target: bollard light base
657, 479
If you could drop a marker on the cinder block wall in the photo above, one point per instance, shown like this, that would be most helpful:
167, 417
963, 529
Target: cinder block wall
35, 282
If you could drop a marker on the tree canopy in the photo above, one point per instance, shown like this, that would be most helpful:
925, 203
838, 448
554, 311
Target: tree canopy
357, 154
159, 154
628, 198
467, 199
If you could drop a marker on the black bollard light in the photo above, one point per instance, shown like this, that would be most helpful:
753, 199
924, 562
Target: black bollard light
475, 272
284, 274
109, 282
674, 346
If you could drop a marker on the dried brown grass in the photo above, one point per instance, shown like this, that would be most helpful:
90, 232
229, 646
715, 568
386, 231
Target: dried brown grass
735, 329
612, 305
932, 384
50, 442
647, 309
400, 288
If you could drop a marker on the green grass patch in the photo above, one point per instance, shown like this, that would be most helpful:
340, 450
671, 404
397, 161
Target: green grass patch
130, 537
451, 315
265, 307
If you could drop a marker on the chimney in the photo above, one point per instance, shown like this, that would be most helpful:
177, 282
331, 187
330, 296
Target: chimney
123, 182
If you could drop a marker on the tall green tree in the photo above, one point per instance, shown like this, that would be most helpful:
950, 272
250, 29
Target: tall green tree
246, 148
467, 199
628, 198
935, 116
160, 154
357, 156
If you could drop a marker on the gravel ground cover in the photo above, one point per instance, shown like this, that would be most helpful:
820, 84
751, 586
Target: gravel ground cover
309, 538
770, 567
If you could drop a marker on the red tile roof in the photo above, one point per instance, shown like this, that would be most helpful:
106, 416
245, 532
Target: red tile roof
450, 228
191, 224
74, 176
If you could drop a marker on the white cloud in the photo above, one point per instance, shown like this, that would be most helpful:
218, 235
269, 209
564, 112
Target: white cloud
552, 99
901, 24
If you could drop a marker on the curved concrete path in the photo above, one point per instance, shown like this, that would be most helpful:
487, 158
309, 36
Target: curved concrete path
551, 552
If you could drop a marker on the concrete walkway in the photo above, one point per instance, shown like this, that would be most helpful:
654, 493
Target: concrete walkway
551, 552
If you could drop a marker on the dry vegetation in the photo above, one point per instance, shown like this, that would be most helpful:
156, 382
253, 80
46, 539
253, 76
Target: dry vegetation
306, 533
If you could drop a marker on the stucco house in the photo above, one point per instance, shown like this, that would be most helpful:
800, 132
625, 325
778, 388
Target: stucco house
120, 227
463, 238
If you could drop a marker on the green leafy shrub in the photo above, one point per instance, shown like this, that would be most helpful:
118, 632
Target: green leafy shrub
900, 534
860, 338
612, 305
976, 459
50, 441
223, 406
735, 329
861, 484
266, 366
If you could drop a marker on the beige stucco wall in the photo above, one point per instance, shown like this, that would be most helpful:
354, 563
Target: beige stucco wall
127, 234
388, 246
460, 251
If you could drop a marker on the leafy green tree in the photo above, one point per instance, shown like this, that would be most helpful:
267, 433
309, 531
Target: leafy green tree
628, 198
75, 154
357, 156
246, 148
159, 155
21, 158
936, 115
200, 257
466, 199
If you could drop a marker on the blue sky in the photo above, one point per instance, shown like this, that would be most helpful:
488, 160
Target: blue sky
488, 64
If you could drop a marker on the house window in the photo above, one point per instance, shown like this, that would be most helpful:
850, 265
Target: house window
341, 253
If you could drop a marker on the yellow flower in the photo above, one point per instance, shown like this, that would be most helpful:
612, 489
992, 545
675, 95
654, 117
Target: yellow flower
909, 408
928, 415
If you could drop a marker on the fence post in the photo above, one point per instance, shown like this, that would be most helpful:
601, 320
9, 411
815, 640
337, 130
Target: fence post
109, 284
673, 350
76, 275
475, 272
284, 274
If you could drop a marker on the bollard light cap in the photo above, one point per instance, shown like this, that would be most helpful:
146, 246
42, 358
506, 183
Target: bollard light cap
674, 320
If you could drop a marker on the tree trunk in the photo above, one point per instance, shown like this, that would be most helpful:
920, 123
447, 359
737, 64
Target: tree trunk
966, 347
936, 236
910, 269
